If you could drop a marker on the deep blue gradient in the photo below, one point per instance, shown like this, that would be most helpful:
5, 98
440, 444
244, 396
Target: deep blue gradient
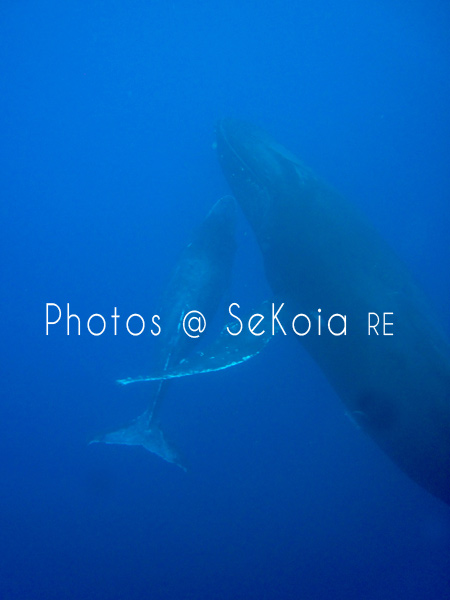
107, 164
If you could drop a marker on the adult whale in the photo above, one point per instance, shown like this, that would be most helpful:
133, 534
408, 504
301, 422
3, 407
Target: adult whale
319, 252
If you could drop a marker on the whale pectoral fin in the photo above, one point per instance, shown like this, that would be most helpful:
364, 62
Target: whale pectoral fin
227, 350
150, 437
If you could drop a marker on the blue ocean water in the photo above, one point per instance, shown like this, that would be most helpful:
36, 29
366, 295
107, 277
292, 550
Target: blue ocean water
107, 164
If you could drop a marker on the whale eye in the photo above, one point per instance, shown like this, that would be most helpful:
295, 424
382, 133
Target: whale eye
376, 412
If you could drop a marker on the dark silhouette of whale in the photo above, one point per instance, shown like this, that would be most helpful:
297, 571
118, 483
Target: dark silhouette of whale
319, 252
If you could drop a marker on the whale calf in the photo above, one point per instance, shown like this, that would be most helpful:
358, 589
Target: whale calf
201, 277
319, 252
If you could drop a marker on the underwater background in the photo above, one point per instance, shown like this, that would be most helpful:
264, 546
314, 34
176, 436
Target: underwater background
107, 116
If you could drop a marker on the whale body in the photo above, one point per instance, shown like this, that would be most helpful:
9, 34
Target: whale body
319, 252
200, 279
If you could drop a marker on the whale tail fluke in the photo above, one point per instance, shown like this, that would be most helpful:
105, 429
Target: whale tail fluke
146, 433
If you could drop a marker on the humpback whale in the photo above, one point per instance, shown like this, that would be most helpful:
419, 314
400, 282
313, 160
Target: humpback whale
320, 252
201, 277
